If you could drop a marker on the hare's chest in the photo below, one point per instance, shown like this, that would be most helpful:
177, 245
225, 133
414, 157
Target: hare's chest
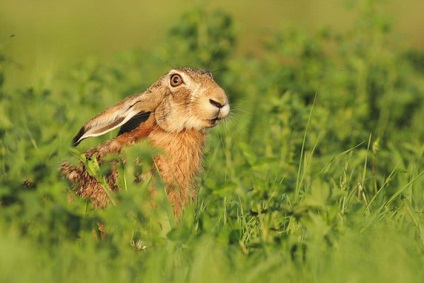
181, 159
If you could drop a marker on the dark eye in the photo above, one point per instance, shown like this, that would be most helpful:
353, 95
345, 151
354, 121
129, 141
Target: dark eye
176, 80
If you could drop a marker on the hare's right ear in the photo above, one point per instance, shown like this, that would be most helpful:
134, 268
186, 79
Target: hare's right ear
119, 114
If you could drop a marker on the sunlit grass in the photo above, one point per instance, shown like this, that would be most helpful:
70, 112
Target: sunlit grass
317, 175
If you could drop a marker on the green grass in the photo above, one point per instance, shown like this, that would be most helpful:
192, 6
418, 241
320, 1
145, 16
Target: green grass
316, 177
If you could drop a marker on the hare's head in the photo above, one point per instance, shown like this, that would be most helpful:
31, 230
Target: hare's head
193, 100
183, 99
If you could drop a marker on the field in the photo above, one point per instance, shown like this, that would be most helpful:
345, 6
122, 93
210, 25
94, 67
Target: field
317, 176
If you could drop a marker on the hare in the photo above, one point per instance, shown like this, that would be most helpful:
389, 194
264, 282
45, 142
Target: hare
173, 115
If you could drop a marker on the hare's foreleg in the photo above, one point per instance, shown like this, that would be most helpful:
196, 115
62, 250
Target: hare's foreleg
88, 186
115, 145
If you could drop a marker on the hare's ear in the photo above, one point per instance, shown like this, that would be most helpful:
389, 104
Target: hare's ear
134, 122
119, 114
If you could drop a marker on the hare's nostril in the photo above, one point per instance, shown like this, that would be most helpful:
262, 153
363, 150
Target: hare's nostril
216, 103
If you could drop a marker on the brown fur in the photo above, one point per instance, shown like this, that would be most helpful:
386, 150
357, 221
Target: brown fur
180, 116
180, 164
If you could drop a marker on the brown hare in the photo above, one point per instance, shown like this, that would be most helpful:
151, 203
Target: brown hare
173, 115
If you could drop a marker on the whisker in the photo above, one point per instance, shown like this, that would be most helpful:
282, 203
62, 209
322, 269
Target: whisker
166, 62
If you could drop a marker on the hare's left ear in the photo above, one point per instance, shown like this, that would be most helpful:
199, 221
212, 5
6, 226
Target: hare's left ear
119, 114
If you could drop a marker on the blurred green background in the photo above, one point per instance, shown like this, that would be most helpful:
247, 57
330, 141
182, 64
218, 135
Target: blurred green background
45, 36
316, 176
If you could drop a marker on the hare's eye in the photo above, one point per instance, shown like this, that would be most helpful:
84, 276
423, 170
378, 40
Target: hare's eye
176, 80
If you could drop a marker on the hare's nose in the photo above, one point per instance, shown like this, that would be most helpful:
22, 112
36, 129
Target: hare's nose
216, 103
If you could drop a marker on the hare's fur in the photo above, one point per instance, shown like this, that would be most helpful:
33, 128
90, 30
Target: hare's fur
173, 115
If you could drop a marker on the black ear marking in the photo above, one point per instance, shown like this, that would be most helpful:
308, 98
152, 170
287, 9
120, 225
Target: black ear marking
134, 122
75, 140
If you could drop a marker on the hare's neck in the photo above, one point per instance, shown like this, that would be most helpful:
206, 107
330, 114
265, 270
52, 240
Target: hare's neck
181, 160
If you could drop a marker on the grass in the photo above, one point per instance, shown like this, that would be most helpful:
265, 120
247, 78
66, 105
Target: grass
316, 177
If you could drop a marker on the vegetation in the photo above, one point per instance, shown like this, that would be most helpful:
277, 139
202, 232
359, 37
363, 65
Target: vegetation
316, 177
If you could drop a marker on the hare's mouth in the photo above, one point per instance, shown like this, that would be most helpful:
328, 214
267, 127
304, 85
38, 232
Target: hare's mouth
214, 121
